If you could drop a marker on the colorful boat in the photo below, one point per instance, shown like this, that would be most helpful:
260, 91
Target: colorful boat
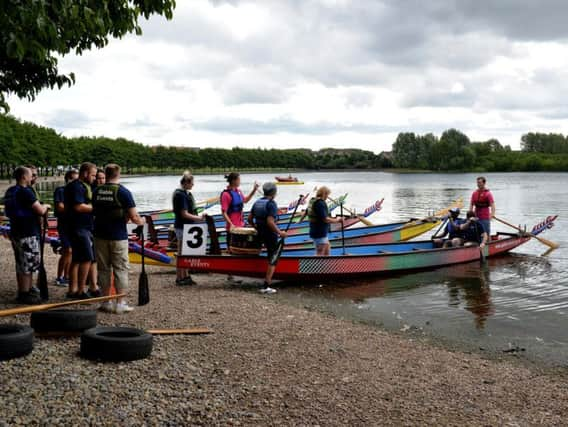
353, 261
288, 180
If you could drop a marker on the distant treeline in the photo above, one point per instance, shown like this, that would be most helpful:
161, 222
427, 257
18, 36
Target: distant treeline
453, 151
27, 143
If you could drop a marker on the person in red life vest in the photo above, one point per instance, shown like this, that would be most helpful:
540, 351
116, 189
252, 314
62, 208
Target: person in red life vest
483, 204
233, 201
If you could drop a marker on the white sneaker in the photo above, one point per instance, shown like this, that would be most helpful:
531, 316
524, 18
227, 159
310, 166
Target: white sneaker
107, 307
122, 308
267, 290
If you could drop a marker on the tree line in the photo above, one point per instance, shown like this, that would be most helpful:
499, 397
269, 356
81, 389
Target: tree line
453, 151
27, 143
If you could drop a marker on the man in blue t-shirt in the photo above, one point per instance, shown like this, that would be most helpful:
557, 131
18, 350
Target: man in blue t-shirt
23, 209
264, 215
113, 207
452, 230
64, 263
79, 213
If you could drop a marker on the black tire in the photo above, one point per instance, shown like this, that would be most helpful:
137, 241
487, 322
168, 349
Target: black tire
114, 344
15, 341
63, 320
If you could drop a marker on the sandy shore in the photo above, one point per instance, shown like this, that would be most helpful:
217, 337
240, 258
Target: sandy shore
266, 364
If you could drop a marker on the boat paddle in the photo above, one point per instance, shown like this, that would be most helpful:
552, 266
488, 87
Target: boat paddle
143, 288
342, 228
43, 307
42, 275
550, 244
280, 247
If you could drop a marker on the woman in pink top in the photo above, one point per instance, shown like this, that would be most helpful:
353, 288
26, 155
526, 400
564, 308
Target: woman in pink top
233, 201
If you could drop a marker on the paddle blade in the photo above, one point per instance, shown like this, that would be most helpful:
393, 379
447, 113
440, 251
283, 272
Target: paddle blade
550, 244
42, 283
143, 289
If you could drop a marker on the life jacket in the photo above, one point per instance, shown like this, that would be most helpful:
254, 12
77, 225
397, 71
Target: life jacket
237, 202
474, 233
311, 211
482, 199
260, 211
106, 202
36, 193
189, 196
12, 208
88, 191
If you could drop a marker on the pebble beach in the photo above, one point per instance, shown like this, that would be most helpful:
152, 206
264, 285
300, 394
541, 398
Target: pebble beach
266, 363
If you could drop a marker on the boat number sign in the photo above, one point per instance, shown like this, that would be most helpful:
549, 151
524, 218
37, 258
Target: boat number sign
194, 241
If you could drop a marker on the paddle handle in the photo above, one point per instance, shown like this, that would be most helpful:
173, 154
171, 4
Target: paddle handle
43, 307
546, 242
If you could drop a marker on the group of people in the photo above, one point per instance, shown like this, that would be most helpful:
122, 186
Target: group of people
92, 211
93, 208
475, 229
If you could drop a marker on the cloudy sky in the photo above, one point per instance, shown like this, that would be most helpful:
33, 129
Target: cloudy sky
327, 73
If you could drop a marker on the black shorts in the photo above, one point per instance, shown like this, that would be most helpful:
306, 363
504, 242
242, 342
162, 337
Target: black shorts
270, 241
63, 236
82, 245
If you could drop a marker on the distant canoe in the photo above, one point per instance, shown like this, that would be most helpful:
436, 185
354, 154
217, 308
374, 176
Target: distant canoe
288, 180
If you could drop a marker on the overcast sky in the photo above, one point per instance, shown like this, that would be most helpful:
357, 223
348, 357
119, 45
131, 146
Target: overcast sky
327, 73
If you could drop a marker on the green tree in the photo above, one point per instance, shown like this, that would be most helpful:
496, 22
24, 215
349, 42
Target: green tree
33, 34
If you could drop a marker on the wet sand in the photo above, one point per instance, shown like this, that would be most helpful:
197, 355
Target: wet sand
266, 364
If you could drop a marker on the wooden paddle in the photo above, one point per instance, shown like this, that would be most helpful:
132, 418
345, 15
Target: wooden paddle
550, 244
42, 274
276, 256
361, 217
43, 307
143, 287
342, 228
186, 331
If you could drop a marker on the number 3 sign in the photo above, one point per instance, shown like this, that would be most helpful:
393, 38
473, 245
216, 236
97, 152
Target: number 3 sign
194, 241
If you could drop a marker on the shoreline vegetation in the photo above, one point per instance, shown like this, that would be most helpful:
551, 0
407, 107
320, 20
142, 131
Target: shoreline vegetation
27, 143
267, 363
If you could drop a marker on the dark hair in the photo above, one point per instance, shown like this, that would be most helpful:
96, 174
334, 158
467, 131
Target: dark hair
482, 178
232, 177
69, 174
99, 170
112, 170
20, 171
86, 167
470, 214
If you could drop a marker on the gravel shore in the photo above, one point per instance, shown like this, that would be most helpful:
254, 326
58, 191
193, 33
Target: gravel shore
265, 364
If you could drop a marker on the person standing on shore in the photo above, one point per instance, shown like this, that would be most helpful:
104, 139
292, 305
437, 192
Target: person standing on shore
264, 215
113, 207
185, 211
64, 263
24, 211
318, 214
33, 182
483, 204
100, 179
79, 210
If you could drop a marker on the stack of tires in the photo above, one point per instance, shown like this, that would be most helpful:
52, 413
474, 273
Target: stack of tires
104, 343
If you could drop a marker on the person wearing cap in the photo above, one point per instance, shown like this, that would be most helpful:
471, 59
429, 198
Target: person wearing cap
264, 215
474, 232
452, 230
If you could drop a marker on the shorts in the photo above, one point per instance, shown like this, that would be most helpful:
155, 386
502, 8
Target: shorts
271, 243
321, 241
82, 245
486, 223
26, 253
63, 237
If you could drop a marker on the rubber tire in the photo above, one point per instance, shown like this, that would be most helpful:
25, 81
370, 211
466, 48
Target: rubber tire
15, 341
115, 344
63, 320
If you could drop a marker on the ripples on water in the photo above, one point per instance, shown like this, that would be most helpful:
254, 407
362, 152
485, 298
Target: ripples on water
520, 299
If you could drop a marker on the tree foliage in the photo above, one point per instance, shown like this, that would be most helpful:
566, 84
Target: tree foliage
34, 33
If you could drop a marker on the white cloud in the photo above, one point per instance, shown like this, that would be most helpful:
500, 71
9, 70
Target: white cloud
321, 73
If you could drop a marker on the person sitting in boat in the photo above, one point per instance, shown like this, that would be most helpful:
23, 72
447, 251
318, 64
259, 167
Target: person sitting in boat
474, 231
318, 214
452, 230
185, 211
264, 215
233, 201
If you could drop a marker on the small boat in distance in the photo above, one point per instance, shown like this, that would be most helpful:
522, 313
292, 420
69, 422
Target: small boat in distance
288, 180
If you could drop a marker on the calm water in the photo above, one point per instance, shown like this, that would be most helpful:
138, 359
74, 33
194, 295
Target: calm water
518, 301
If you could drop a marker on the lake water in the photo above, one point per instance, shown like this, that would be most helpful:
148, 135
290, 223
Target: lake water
518, 303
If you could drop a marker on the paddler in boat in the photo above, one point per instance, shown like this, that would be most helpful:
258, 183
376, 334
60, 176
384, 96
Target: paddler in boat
185, 211
263, 216
318, 214
474, 231
233, 201
452, 230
